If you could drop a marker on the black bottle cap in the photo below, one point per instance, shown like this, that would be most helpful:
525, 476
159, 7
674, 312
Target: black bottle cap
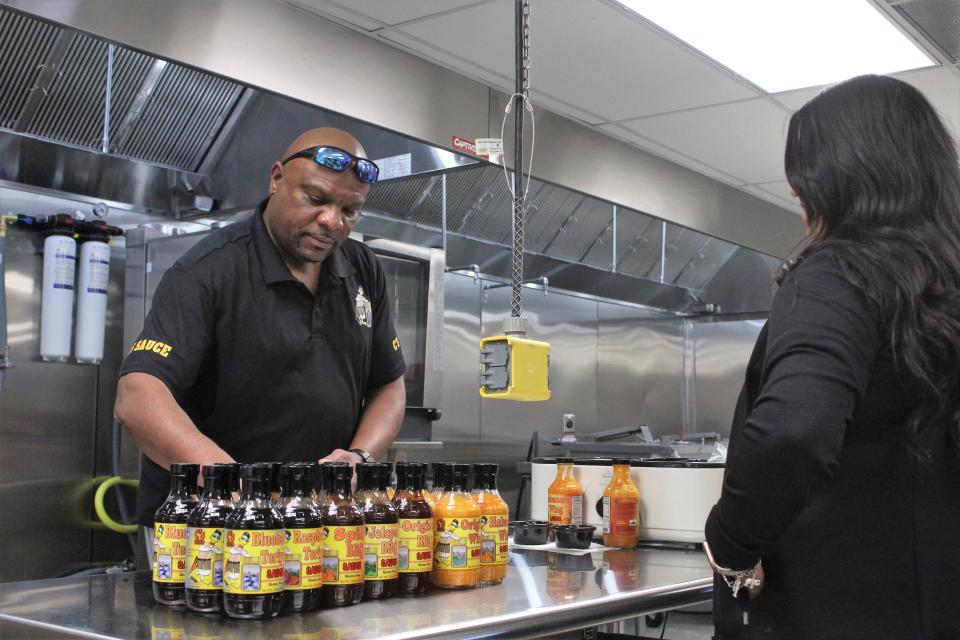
369, 475
256, 471
621, 461
234, 469
559, 460
275, 468
485, 468
180, 469
458, 474
297, 477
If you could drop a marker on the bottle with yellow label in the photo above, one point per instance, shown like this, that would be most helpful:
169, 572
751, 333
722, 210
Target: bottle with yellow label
343, 537
253, 571
205, 539
456, 537
380, 540
415, 535
303, 534
621, 508
494, 524
170, 535
565, 496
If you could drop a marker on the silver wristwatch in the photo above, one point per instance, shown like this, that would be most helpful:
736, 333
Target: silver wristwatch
366, 455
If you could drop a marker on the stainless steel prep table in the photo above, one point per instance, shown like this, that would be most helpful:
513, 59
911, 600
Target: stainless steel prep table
543, 593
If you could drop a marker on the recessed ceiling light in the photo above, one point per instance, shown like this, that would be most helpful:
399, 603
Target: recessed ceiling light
780, 45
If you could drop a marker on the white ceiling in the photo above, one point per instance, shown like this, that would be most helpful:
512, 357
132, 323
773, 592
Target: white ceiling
595, 62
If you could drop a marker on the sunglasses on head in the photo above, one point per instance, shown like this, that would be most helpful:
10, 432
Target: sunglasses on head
338, 160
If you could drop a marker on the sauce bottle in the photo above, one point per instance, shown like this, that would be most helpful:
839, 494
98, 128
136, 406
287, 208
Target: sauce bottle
380, 538
170, 535
234, 481
276, 469
253, 574
456, 537
621, 508
415, 537
343, 530
205, 539
303, 538
565, 496
494, 521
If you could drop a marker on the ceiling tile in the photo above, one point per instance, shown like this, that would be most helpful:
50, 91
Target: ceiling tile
744, 139
587, 53
375, 14
940, 85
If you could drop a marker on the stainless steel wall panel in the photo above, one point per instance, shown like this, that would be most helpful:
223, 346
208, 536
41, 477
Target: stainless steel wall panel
640, 356
460, 420
723, 350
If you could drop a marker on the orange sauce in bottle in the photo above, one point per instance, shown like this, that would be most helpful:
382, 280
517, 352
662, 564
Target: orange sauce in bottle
621, 508
494, 521
456, 537
565, 496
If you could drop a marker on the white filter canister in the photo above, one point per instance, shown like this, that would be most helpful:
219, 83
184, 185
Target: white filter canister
56, 315
92, 301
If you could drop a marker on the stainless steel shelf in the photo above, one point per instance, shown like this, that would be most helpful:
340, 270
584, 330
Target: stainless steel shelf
544, 593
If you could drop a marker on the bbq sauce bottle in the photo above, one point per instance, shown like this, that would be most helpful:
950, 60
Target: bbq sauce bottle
415, 536
170, 535
253, 574
205, 540
494, 519
303, 529
342, 540
456, 538
234, 481
380, 537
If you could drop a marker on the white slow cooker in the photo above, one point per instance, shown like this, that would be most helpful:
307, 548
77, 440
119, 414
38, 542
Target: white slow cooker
676, 495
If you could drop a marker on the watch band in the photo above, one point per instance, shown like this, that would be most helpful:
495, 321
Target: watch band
365, 455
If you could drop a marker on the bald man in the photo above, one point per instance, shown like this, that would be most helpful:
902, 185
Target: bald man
271, 339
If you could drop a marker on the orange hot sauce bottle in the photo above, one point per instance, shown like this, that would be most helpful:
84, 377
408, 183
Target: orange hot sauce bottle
494, 520
456, 536
621, 508
565, 496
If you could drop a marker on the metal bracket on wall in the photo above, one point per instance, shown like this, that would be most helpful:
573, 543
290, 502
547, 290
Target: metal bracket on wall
474, 270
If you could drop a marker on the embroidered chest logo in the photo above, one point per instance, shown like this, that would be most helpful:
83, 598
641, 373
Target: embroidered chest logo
364, 309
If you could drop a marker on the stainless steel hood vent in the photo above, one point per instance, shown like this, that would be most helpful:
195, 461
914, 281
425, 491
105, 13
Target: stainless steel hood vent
938, 21
53, 85
560, 224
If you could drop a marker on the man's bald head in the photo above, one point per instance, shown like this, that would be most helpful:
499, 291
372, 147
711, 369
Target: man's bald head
326, 136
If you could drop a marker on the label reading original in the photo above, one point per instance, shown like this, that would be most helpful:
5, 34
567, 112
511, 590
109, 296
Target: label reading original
493, 541
343, 554
380, 552
303, 559
205, 558
415, 548
254, 561
564, 509
169, 552
456, 544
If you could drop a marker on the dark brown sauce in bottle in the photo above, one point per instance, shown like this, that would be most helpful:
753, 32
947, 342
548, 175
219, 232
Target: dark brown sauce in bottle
415, 552
343, 528
205, 540
380, 543
170, 535
254, 531
303, 529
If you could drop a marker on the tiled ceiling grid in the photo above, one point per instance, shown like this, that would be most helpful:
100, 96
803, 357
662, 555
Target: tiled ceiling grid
598, 63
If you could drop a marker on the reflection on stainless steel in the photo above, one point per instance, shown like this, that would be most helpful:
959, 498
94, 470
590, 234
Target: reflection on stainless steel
532, 601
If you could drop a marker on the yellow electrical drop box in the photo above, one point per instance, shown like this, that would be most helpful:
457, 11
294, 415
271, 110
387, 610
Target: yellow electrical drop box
514, 368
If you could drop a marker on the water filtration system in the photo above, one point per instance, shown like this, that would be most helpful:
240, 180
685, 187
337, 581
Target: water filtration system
56, 317
94, 275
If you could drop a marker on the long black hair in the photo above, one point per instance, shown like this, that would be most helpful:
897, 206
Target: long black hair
878, 177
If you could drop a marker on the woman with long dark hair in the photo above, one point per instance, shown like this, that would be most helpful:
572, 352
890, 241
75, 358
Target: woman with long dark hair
840, 510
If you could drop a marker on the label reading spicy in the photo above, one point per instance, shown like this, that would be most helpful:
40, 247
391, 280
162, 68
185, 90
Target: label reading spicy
343, 555
169, 552
493, 541
415, 551
456, 544
380, 552
303, 559
254, 561
564, 509
205, 558
620, 515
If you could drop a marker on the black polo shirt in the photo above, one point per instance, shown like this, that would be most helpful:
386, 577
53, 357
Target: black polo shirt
265, 369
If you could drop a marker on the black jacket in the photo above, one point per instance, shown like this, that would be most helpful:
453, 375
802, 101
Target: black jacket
858, 536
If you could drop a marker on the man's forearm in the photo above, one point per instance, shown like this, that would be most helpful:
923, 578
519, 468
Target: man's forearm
381, 418
159, 426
